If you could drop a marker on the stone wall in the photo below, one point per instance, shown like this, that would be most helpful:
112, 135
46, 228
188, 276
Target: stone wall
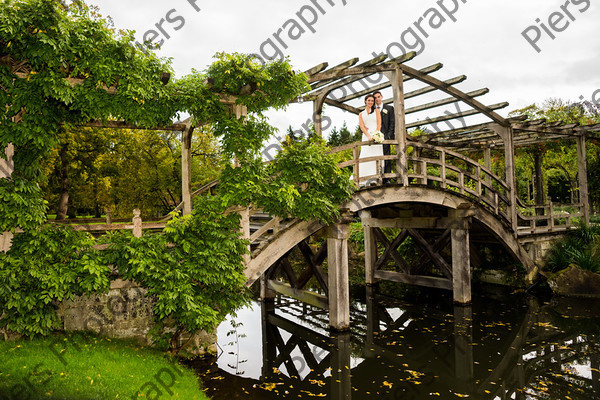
124, 312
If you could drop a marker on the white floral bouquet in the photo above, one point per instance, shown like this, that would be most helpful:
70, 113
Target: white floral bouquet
377, 137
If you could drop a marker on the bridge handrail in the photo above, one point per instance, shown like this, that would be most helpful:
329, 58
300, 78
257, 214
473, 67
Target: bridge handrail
550, 220
484, 169
468, 178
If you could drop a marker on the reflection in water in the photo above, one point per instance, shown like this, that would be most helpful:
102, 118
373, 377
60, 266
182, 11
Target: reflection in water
398, 350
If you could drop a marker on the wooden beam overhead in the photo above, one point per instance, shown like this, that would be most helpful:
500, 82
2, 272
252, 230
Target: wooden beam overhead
343, 82
343, 106
339, 72
456, 115
450, 100
488, 111
125, 125
316, 69
384, 85
423, 90
333, 71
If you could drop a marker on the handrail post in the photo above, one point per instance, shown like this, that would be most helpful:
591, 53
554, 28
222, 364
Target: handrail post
551, 215
137, 223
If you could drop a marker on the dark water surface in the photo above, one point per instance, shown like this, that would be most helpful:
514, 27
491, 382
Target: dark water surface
505, 346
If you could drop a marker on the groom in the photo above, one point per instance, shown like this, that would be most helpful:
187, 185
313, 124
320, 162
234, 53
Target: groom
388, 126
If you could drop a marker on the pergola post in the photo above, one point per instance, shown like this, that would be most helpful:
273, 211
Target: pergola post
397, 80
582, 176
538, 159
186, 168
318, 113
7, 167
507, 135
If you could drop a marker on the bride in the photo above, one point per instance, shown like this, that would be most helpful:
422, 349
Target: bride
370, 122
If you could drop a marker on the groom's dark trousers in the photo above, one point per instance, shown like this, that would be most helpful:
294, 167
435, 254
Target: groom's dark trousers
388, 126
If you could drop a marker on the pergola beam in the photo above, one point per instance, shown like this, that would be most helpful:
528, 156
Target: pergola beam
325, 88
449, 117
424, 90
342, 70
331, 73
443, 102
488, 111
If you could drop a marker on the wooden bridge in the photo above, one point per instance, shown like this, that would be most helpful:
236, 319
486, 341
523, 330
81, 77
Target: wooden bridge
446, 193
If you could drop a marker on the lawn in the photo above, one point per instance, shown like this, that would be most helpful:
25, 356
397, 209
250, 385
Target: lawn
78, 366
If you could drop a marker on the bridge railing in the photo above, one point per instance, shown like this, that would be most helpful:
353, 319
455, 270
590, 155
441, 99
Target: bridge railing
437, 167
551, 217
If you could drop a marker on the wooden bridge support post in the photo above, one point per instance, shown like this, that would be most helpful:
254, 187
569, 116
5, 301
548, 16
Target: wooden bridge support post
582, 176
463, 342
372, 322
269, 350
461, 261
338, 283
266, 293
6, 170
341, 373
370, 247
186, 168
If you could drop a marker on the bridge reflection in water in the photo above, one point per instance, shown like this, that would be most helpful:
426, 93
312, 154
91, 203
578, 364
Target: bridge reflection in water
398, 350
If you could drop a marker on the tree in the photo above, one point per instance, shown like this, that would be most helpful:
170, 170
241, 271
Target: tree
343, 136
557, 159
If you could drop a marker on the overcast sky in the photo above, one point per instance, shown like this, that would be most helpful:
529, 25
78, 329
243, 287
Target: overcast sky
485, 41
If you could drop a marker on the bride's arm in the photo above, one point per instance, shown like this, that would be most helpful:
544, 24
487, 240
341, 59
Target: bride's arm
363, 127
378, 119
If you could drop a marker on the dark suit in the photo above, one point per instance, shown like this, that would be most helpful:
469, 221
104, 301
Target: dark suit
388, 126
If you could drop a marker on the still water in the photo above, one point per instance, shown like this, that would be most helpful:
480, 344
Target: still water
505, 346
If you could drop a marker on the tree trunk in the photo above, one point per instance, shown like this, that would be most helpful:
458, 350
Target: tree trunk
63, 202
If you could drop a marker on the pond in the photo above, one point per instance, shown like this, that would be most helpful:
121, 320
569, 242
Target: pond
505, 346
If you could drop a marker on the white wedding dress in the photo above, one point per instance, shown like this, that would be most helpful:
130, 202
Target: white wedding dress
369, 168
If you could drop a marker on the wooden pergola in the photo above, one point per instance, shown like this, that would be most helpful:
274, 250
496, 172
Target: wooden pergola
22, 70
495, 132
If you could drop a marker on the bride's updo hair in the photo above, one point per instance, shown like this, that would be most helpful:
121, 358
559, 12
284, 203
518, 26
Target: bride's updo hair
372, 108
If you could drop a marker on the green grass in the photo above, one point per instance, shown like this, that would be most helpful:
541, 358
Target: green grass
78, 366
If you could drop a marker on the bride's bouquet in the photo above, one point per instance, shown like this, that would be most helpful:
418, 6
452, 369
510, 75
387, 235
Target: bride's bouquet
377, 137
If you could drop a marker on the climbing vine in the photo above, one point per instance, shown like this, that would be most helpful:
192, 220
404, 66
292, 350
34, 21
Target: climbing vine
62, 66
